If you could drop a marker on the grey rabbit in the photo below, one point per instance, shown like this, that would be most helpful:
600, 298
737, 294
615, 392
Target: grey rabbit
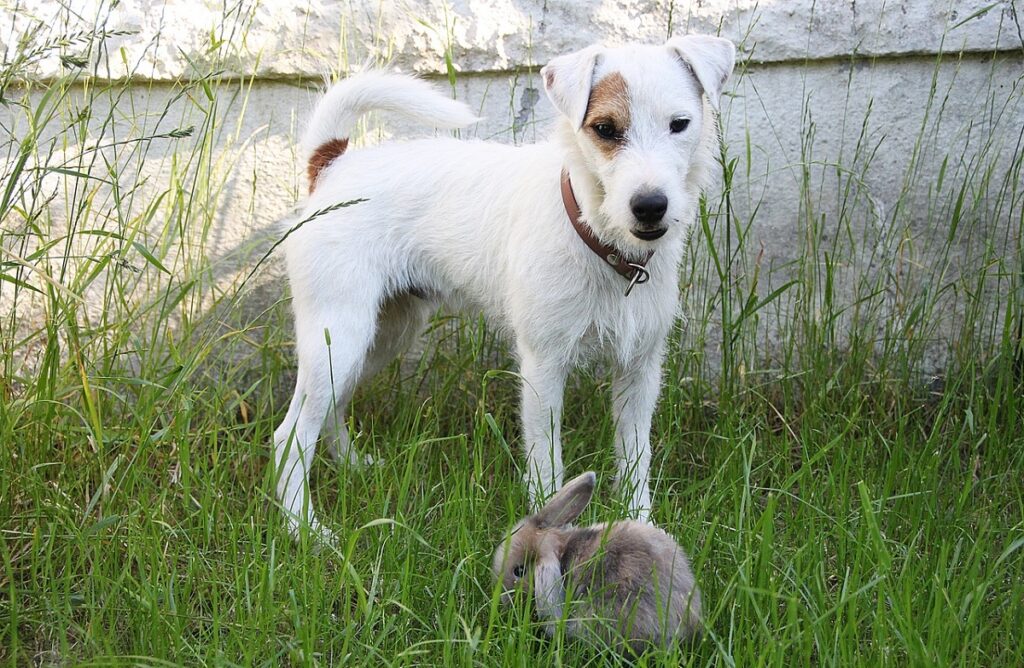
622, 582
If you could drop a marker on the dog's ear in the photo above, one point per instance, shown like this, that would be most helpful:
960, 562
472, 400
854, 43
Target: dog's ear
568, 80
711, 59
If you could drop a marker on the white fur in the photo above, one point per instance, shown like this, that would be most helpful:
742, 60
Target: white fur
342, 105
480, 226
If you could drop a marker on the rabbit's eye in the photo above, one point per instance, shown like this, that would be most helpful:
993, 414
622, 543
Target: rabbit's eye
518, 571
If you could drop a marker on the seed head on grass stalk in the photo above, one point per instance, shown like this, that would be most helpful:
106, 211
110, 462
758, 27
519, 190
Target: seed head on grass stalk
295, 228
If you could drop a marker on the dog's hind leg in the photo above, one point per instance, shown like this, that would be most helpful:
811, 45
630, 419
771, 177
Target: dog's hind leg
401, 320
333, 337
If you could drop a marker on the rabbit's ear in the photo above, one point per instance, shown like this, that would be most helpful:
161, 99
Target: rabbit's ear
548, 591
565, 506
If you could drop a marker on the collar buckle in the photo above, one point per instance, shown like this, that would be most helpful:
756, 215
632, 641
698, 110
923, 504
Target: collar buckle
634, 272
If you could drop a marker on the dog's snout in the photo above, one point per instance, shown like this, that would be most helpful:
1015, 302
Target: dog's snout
649, 207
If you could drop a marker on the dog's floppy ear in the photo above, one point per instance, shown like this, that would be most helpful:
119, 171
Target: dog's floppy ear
710, 58
568, 80
570, 501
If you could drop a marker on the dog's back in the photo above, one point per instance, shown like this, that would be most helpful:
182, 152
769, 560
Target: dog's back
414, 195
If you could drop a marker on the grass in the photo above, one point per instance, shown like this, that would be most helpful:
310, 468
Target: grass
839, 508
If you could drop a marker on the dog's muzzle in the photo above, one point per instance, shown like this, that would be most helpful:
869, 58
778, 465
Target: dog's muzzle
649, 209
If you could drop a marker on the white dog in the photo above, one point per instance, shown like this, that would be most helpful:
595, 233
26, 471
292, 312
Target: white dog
570, 247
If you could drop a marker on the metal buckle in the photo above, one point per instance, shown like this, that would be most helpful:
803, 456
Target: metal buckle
640, 275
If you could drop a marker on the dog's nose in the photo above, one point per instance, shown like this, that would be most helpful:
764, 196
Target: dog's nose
649, 207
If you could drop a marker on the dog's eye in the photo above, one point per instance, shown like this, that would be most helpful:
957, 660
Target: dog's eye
606, 131
678, 125
518, 571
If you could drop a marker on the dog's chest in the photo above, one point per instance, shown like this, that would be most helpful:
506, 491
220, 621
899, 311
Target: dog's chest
617, 327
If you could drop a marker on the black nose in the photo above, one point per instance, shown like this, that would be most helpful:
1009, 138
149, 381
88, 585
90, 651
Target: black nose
649, 207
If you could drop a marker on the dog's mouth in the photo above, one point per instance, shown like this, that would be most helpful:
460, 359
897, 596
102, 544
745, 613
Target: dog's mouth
649, 235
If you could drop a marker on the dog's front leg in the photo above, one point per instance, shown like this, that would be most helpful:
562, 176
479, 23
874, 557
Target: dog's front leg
634, 396
543, 386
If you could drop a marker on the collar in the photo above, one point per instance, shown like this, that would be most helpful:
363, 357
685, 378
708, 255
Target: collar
634, 272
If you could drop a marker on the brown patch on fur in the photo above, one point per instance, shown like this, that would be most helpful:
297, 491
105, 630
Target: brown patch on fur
609, 103
322, 157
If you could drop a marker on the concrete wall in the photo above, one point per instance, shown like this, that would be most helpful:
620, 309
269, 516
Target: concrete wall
288, 40
841, 117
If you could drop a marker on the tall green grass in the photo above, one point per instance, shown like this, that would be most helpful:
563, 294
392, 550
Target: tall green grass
839, 449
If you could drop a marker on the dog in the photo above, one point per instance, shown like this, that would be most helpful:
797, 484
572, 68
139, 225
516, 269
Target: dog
570, 247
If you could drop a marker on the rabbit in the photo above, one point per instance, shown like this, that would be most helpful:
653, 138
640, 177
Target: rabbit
625, 583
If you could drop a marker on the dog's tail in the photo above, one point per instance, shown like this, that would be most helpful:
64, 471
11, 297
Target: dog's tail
336, 114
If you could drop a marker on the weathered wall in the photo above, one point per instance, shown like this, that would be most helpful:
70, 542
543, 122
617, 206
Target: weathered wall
839, 109
288, 40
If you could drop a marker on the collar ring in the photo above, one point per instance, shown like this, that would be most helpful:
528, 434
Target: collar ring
640, 276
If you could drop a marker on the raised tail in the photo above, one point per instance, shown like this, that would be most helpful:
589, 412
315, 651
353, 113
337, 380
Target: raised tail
335, 116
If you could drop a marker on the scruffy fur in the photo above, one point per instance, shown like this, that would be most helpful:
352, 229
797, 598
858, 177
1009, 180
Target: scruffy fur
623, 583
480, 227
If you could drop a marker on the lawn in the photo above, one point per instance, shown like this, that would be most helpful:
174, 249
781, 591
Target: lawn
840, 506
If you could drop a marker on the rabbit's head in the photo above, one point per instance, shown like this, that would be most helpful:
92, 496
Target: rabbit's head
530, 556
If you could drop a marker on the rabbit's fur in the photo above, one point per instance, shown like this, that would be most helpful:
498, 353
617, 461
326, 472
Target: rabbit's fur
622, 582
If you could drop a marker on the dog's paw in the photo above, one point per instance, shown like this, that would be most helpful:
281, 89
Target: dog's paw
350, 457
638, 507
320, 536
324, 537
634, 496
540, 491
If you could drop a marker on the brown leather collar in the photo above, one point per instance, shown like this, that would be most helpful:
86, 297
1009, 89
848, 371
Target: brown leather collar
634, 272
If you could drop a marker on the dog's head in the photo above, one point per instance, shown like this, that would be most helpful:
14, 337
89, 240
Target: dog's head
642, 123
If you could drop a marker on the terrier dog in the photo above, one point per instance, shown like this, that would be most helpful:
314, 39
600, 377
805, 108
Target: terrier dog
570, 247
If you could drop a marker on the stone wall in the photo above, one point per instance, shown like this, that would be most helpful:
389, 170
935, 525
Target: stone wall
848, 127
